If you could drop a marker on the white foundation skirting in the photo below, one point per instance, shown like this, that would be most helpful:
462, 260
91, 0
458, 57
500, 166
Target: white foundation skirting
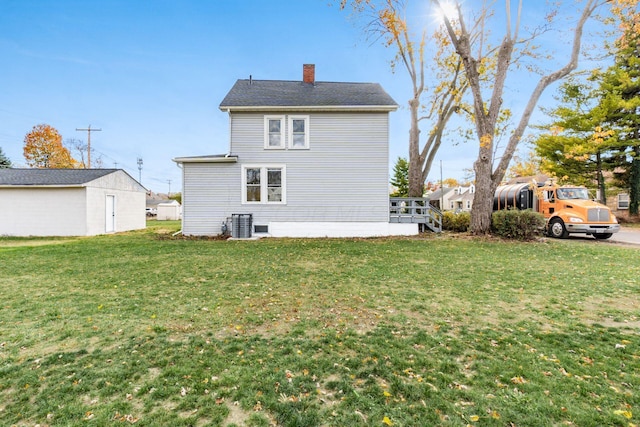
341, 229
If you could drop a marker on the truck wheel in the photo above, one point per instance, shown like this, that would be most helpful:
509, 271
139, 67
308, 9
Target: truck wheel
557, 229
603, 236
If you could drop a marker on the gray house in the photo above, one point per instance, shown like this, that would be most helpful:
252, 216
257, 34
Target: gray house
306, 159
69, 202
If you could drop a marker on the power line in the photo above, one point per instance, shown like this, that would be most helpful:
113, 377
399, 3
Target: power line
89, 130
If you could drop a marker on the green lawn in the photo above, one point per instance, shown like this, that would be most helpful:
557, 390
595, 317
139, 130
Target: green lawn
440, 330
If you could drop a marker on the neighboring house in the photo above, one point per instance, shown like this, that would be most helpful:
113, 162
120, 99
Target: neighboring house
619, 204
440, 197
306, 159
458, 199
462, 199
69, 202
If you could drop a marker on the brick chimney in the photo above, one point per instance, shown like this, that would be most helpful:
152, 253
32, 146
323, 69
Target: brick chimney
309, 73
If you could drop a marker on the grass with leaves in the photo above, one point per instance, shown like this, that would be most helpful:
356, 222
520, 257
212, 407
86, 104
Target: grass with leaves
142, 328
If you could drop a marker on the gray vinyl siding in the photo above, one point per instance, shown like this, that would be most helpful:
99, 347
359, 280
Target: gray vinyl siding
211, 193
343, 176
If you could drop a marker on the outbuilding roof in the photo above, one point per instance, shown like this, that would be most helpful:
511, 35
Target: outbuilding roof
249, 94
51, 177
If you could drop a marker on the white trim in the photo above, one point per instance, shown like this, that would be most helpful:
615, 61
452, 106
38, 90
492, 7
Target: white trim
341, 229
263, 183
207, 159
622, 201
267, 144
306, 132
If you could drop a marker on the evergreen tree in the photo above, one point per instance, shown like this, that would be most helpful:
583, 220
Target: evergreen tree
400, 178
4, 160
620, 109
575, 147
598, 129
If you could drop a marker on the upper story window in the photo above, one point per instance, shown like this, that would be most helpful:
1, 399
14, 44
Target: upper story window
298, 132
274, 132
296, 136
263, 184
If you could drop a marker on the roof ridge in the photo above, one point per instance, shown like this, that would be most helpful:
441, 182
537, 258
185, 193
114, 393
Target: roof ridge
300, 81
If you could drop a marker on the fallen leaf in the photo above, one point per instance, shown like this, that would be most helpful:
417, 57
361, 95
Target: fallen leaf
518, 380
626, 414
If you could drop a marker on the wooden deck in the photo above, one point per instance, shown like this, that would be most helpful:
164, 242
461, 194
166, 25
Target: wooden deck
415, 210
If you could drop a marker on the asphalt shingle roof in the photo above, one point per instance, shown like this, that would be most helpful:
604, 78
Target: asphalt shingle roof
10, 176
283, 93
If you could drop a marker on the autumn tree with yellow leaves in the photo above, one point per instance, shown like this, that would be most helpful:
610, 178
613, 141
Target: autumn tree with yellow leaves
43, 148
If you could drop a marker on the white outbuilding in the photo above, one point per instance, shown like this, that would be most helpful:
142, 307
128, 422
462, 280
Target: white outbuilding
168, 210
69, 202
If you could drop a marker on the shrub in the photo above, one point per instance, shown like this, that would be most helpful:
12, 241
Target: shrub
516, 224
456, 221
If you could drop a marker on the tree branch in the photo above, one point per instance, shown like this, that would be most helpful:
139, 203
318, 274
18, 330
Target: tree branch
543, 83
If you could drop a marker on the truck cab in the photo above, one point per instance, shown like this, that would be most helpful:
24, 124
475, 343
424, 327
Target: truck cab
569, 210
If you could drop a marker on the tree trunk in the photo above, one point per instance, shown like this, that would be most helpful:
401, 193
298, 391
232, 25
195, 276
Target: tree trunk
601, 188
416, 183
634, 186
483, 198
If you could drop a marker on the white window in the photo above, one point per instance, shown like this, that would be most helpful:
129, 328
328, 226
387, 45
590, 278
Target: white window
623, 201
274, 132
298, 132
263, 184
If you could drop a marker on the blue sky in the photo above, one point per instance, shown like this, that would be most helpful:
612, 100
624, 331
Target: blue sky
151, 73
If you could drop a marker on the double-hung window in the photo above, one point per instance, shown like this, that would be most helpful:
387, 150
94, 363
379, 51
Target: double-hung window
298, 132
623, 201
263, 184
274, 132
282, 132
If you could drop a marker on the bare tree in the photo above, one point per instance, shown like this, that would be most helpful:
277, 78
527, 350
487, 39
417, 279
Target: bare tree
82, 150
433, 101
469, 44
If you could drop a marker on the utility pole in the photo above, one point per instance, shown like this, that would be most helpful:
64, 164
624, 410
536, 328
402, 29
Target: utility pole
169, 182
89, 130
140, 170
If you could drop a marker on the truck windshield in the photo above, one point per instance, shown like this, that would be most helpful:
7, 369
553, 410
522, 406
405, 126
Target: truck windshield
573, 193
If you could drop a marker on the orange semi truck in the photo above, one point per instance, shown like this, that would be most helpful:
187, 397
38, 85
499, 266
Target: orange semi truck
567, 209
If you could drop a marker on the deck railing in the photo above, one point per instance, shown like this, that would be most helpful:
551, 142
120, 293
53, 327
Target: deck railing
415, 210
